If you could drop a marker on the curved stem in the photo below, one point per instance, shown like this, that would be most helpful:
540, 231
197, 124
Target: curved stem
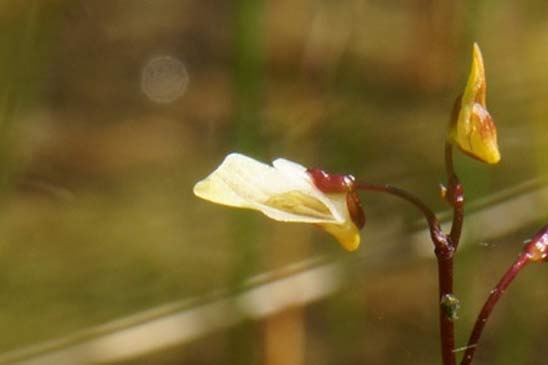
489, 305
444, 254
438, 237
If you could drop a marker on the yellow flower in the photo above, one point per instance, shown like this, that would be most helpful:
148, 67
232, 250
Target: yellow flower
284, 192
474, 131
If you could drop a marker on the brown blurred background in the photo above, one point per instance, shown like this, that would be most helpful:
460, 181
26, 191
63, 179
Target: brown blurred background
110, 111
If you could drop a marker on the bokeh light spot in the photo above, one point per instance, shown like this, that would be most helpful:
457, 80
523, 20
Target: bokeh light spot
164, 79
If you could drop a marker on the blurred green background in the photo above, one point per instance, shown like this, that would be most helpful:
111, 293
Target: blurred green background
111, 111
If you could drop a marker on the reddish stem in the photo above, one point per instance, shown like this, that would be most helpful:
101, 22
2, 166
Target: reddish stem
455, 196
449, 167
438, 237
444, 254
494, 296
447, 329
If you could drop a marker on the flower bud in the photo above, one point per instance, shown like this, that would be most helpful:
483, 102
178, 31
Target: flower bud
473, 130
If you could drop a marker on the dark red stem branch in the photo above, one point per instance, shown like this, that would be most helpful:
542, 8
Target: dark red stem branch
492, 300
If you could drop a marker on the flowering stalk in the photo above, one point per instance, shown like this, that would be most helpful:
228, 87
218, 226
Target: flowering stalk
455, 196
534, 251
489, 305
444, 251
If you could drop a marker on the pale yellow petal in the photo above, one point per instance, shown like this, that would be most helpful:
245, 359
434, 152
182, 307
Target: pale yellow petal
241, 181
473, 92
347, 234
284, 192
233, 181
476, 88
483, 136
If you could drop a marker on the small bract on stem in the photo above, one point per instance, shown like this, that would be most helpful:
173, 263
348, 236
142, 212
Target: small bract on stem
289, 192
